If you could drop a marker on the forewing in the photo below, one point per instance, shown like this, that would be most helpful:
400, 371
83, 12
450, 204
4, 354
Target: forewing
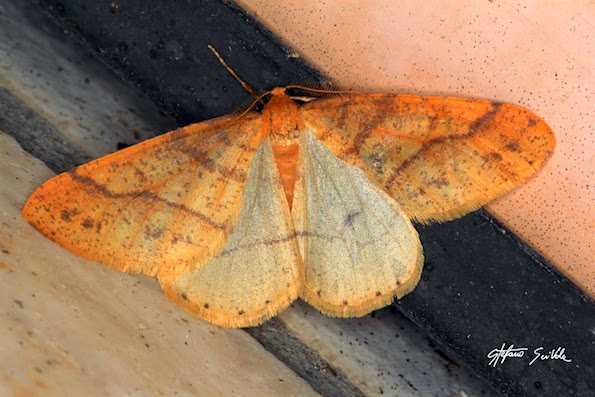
158, 208
438, 157
257, 272
359, 249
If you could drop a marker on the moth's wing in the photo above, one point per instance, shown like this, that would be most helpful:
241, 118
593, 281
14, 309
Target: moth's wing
160, 207
358, 247
258, 270
438, 157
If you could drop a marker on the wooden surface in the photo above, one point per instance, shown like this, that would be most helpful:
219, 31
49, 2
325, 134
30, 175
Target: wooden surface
540, 55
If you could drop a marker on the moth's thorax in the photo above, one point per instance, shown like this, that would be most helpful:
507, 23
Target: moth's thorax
280, 116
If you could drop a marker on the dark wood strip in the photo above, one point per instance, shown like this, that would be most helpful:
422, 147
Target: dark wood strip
36, 135
306, 362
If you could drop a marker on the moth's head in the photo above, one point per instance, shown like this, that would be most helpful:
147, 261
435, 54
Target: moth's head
289, 97
299, 94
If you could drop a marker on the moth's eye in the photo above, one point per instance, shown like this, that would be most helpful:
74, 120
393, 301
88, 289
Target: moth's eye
259, 105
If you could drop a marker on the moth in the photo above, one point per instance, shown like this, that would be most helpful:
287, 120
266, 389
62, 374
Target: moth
313, 196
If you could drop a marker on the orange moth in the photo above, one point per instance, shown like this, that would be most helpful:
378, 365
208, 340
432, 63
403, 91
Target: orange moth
311, 197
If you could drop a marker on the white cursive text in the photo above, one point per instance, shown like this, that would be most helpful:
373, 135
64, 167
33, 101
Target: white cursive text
554, 354
497, 356
503, 353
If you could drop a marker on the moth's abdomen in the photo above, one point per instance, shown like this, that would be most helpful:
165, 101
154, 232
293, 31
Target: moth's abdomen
286, 157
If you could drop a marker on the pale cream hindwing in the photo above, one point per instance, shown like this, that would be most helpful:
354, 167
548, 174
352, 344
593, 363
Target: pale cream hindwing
358, 248
257, 272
